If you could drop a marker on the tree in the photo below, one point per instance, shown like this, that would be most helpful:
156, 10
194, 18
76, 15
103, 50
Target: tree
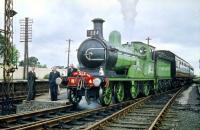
33, 61
1, 49
15, 53
42, 66
1, 46
15, 58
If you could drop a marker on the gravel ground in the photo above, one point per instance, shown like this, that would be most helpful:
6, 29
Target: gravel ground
36, 105
186, 111
44, 102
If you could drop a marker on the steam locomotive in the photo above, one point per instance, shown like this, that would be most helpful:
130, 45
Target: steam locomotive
111, 70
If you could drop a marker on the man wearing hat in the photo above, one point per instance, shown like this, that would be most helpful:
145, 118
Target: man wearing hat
54, 74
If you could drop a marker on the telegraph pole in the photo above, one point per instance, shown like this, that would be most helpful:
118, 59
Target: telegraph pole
148, 39
69, 42
26, 37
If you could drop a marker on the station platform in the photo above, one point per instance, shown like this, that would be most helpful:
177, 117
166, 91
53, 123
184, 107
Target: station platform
191, 96
62, 96
43, 102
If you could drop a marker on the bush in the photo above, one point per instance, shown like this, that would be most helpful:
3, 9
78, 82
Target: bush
46, 76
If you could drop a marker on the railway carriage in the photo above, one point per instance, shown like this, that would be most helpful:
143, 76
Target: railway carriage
110, 69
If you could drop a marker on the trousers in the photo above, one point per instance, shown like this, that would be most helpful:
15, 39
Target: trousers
31, 92
54, 92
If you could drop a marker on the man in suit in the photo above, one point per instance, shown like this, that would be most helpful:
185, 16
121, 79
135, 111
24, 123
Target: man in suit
31, 84
54, 74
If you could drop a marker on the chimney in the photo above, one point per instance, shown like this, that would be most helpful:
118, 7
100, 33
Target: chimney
98, 25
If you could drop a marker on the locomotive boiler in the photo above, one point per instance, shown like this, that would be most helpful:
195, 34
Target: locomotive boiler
95, 52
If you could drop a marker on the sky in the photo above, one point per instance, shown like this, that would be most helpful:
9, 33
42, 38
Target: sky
171, 24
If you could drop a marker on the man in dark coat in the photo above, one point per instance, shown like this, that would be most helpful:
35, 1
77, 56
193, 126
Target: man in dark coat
54, 74
31, 84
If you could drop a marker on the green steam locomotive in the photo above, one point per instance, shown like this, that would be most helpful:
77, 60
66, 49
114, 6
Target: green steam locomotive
112, 70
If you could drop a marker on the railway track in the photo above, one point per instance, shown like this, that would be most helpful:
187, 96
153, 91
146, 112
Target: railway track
62, 119
143, 113
16, 121
147, 115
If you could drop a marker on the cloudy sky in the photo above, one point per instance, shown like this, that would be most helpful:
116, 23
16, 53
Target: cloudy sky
171, 24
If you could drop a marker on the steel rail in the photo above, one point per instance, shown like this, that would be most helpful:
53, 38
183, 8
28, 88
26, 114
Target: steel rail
102, 123
165, 108
73, 116
116, 115
15, 117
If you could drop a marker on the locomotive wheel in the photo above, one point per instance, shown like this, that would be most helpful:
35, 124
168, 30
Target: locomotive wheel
73, 97
146, 89
134, 90
105, 96
119, 92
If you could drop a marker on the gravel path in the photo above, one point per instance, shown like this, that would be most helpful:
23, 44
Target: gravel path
186, 111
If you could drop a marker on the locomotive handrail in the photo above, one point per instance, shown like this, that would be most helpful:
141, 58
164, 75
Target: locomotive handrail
131, 54
89, 54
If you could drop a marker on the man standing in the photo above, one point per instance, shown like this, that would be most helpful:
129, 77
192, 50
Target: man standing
54, 74
71, 69
31, 84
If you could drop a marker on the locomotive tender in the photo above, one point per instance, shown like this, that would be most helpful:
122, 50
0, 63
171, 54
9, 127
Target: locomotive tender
110, 69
